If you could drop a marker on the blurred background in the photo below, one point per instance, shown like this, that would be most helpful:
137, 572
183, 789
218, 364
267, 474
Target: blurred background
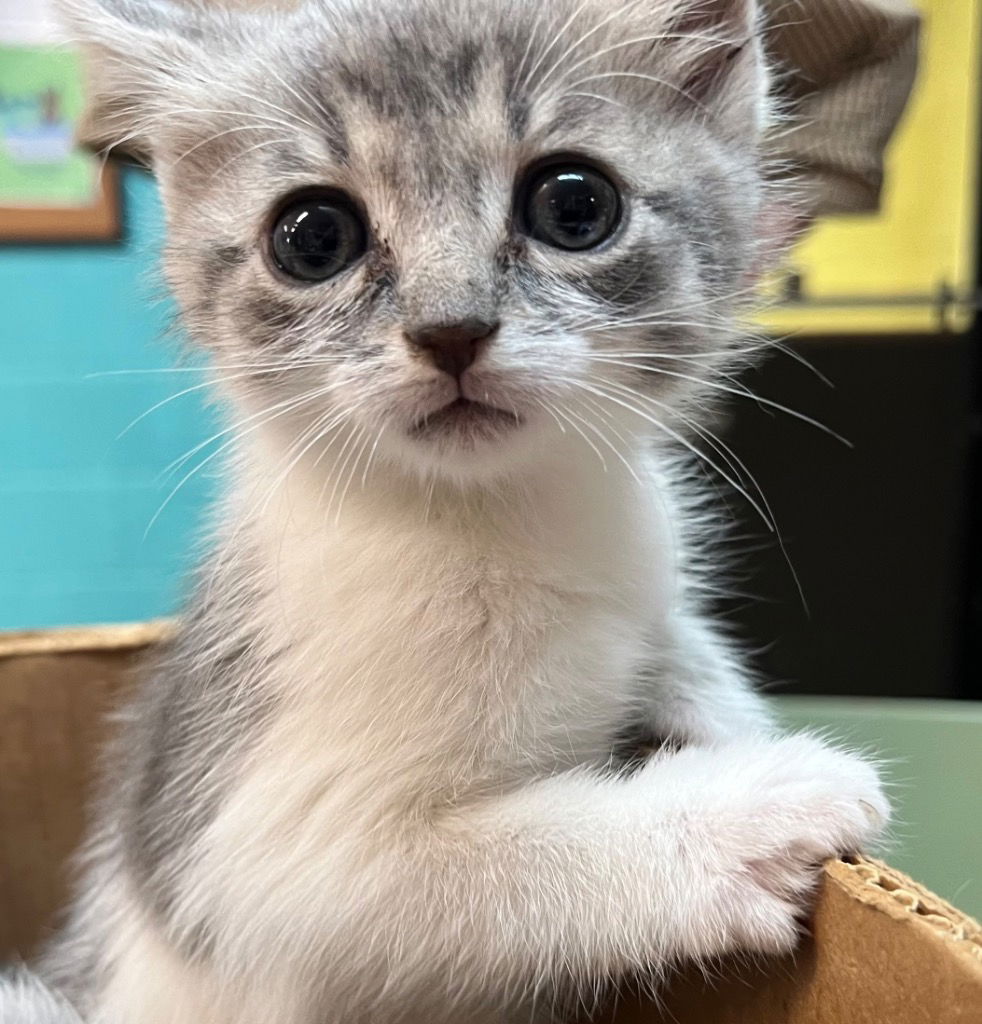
866, 616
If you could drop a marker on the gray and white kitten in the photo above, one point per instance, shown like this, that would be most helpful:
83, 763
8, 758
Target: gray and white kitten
469, 271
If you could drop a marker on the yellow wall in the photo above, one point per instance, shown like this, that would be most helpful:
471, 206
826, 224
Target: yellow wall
924, 235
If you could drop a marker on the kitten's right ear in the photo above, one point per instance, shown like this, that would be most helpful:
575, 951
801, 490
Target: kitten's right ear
140, 55
723, 69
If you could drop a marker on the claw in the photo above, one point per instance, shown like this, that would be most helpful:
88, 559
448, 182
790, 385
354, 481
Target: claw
872, 814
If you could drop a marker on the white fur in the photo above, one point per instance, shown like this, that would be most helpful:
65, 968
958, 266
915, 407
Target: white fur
25, 1000
427, 816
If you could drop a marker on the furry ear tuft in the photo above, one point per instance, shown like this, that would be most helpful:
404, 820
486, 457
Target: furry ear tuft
721, 15
723, 67
138, 52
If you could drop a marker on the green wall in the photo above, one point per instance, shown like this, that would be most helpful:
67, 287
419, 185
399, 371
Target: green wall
933, 759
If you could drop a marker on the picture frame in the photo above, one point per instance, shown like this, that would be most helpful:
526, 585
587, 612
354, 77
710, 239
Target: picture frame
51, 190
99, 221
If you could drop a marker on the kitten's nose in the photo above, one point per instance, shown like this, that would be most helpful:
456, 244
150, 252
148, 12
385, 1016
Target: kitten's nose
452, 347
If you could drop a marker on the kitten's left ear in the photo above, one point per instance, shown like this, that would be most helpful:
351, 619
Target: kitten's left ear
719, 61
140, 56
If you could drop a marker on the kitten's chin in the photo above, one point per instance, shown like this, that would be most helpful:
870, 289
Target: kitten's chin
466, 422
469, 442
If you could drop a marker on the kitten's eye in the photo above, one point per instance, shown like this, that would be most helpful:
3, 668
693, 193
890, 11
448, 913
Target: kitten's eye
316, 237
571, 207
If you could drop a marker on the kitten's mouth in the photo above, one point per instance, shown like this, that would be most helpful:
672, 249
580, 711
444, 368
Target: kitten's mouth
464, 415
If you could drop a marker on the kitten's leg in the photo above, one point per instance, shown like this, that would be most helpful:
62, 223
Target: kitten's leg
695, 689
576, 877
584, 876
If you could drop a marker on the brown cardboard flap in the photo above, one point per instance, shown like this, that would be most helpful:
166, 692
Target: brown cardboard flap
130, 636
883, 949
56, 691
875, 884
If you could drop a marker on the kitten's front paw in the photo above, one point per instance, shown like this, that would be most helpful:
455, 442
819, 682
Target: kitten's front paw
778, 809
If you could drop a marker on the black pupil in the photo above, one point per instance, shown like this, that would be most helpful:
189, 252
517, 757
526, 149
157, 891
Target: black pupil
572, 208
316, 238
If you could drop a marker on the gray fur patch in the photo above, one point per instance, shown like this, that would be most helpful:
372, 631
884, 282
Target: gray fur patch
197, 712
268, 322
716, 241
630, 278
411, 79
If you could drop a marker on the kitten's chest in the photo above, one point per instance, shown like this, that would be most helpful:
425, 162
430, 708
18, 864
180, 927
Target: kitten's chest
479, 661
466, 639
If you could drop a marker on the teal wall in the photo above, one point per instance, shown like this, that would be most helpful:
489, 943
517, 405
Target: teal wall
76, 499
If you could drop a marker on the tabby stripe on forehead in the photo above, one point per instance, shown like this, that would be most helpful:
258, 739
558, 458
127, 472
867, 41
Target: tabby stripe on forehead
460, 69
335, 132
323, 114
518, 116
414, 80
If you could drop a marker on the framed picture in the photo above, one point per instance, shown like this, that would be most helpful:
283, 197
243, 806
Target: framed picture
50, 189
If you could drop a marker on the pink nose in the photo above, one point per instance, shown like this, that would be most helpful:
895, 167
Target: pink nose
452, 347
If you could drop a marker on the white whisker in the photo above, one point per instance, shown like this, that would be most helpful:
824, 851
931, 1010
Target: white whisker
739, 392
676, 436
664, 83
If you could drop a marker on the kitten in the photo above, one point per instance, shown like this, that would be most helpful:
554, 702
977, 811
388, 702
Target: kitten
469, 271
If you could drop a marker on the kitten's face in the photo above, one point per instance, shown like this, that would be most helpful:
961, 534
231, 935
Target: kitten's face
448, 231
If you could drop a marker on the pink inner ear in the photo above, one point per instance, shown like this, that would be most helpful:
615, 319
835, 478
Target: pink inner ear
712, 67
716, 38
723, 17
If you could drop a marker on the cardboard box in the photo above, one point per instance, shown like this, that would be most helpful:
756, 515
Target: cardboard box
883, 950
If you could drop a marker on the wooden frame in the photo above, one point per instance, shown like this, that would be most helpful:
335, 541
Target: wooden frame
99, 222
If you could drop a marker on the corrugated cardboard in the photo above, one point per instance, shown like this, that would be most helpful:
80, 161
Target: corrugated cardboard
883, 950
